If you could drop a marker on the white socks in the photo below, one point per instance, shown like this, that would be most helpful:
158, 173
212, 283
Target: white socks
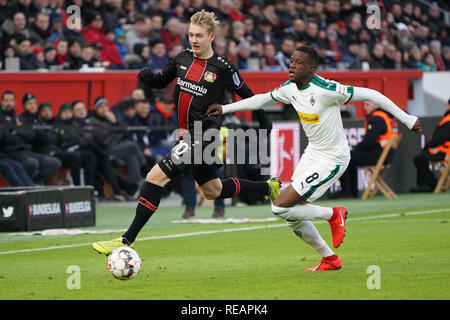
303, 212
298, 220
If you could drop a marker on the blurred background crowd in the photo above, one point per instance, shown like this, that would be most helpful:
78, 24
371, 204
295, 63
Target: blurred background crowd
253, 34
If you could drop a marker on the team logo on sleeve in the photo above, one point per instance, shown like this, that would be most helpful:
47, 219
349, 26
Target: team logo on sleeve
236, 79
209, 76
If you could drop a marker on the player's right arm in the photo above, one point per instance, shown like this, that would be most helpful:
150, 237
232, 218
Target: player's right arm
161, 79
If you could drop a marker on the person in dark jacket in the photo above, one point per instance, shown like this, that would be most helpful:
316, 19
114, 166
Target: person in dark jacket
114, 138
79, 131
434, 150
22, 135
12, 170
49, 142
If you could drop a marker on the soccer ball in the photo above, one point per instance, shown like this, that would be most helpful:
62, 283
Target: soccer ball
124, 263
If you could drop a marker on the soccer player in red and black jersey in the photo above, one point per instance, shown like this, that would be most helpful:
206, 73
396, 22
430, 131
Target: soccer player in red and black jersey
202, 79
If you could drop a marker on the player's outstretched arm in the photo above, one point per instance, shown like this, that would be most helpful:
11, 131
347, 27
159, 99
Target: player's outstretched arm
256, 102
365, 94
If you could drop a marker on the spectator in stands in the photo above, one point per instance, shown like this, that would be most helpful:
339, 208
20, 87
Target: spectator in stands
94, 32
87, 57
434, 150
21, 136
351, 57
268, 61
129, 10
112, 136
142, 117
263, 33
170, 34
390, 57
140, 58
311, 33
28, 60
428, 63
40, 29
62, 51
163, 119
413, 58
137, 34
73, 32
50, 57
175, 50
8, 52
56, 27
249, 27
377, 57
285, 13
220, 46
38, 52
82, 131
163, 9
110, 51
74, 59
297, 30
15, 29
232, 51
244, 52
47, 142
223, 12
435, 49
12, 170
284, 55
446, 57
158, 55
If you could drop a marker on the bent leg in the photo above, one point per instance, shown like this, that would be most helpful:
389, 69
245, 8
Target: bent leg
297, 212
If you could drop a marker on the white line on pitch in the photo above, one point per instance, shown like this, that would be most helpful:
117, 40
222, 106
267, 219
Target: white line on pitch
180, 235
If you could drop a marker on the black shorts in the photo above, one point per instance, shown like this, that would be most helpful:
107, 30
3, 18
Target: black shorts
202, 173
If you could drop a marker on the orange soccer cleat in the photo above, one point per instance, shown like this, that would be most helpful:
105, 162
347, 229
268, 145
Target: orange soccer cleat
337, 225
327, 264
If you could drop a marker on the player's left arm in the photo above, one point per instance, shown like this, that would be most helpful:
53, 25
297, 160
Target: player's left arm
365, 94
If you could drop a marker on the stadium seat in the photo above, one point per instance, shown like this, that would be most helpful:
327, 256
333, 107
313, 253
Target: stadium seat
377, 173
60, 178
444, 168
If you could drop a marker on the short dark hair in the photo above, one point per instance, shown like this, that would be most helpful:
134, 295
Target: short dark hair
7, 92
311, 53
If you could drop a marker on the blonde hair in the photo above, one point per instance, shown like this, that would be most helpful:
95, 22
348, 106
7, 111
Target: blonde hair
206, 20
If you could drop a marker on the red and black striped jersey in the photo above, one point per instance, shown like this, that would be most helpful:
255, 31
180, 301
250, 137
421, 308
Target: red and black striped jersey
200, 83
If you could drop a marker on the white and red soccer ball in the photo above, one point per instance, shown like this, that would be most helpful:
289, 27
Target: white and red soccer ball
124, 263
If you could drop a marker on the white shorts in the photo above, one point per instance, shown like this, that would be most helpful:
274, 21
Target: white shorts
314, 176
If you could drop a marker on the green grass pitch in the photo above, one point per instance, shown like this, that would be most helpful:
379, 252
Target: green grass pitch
406, 242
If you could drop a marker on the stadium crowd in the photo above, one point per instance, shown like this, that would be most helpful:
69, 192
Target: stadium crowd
37, 143
253, 34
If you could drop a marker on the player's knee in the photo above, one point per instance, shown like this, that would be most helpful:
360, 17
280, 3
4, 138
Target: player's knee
157, 176
281, 212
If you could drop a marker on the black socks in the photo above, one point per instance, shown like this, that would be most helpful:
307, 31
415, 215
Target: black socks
148, 204
232, 187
